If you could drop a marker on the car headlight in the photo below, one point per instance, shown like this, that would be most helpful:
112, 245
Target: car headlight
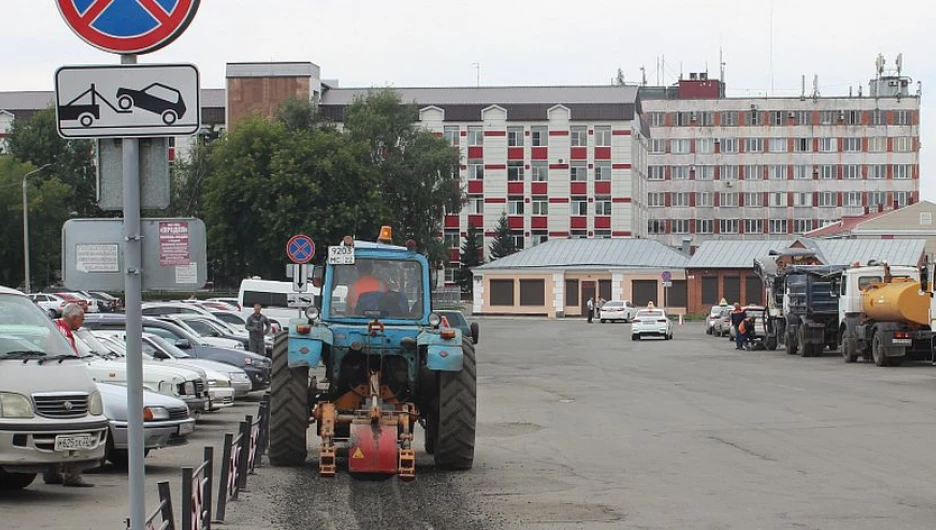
238, 376
167, 388
222, 383
248, 360
155, 413
15, 406
190, 388
95, 404
312, 312
434, 320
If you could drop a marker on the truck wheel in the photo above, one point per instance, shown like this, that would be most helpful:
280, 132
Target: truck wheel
15, 481
877, 351
771, 343
850, 349
457, 414
790, 343
289, 409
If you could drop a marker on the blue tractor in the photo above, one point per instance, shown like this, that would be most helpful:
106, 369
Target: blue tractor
389, 363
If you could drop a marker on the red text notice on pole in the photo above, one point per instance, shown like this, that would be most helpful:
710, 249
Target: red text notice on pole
174, 243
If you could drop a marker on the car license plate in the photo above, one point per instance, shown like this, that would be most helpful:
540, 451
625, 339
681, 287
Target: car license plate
75, 442
186, 428
341, 255
903, 341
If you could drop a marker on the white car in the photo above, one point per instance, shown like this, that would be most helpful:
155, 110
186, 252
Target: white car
160, 309
52, 304
651, 322
218, 342
616, 310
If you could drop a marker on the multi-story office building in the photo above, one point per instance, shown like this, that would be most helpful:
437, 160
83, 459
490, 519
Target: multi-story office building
723, 167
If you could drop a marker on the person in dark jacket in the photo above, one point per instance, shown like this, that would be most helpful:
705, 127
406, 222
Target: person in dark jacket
737, 316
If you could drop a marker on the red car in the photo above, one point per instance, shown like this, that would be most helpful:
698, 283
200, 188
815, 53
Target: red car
72, 298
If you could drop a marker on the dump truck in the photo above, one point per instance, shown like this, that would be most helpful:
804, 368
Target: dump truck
368, 362
884, 314
802, 311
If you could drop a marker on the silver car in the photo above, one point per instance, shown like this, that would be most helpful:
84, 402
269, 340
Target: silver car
166, 421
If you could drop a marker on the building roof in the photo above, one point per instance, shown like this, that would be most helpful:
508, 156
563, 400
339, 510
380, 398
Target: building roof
504, 95
734, 253
844, 225
593, 253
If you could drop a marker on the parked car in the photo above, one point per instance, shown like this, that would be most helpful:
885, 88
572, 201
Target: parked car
106, 302
159, 309
256, 366
722, 325
651, 322
232, 302
757, 313
712, 316
72, 298
52, 304
166, 421
457, 319
617, 310
207, 333
232, 318
53, 413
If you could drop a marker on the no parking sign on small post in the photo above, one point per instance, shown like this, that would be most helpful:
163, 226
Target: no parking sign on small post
667, 283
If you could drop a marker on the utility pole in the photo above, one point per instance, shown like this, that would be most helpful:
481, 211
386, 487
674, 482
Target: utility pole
477, 67
27, 279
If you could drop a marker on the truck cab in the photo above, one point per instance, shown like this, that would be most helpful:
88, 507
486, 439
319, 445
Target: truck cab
857, 279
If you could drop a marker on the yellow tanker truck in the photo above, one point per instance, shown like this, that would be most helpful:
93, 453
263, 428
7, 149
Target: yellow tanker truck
884, 314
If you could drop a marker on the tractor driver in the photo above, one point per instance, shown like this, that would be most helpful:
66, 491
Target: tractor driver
365, 283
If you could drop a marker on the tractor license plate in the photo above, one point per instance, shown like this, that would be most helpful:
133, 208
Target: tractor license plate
905, 342
341, 255
75, 442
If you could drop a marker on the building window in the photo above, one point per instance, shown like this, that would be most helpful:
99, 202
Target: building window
728, 199
753, 172
802, 145
753, 226
602, 171
802, 172
753, 117
728, 173
903, 144
705, 118
777, 172
826, 172
705, 172
827, 145
603, 136
728, 226
729, 145
852, 198
802, 199
538, 239
877, 198
853, 117
754, 145
515, 207
852, 172
519, 241
901, 117
515, 170
680, 199
901, 198
514, 136
451, 135
804, 117
656, 199
656, 172
683, 119
705, 146
502, 292
704, 226
579, 207
539, 136
578, 172
778, 200
827, 117
475, 135
656, 226
704, 198
729, 118
926, 218
679, 226
475, 205
532, 292
476, 169
452, 240
777, 117
539, 171
827, 198
579, 136
902, 171
778, 145
679, 147
877, 172
851, 145
540, 207
801, 226
450, 274
602, 207
877, 144
877, 117
753, 199
657, 146
778, 226
679, 172
657, 119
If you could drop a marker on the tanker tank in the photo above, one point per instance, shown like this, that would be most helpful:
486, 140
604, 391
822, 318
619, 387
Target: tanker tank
899, 300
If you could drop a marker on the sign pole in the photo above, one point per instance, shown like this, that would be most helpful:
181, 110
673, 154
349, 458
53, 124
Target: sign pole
133, 292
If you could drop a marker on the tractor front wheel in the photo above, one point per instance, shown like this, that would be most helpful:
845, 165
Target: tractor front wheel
452, 425
289, 408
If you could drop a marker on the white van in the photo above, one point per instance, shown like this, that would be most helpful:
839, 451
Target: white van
272, 295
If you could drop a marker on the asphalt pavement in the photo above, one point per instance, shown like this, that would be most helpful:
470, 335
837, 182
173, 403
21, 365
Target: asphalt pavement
581, 428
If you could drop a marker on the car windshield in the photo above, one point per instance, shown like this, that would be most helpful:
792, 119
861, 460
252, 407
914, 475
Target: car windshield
116, 345
96, 345
613, 304
754, 313
26, 328
716, 310
169, 348
219, 326
202, 328
651, 314
230, 318
381, 288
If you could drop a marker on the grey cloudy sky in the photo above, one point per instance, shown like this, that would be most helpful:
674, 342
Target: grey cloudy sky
520, 42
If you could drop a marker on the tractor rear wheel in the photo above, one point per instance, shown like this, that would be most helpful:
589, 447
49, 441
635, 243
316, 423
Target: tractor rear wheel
454, 420
289, 408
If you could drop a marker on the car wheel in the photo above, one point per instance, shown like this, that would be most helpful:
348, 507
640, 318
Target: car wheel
15, 481
603, 321
635, 337
125, 103
169, 117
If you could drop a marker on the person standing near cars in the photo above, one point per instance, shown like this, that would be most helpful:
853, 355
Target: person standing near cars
68, 475
258, 325
737, 317
590, 308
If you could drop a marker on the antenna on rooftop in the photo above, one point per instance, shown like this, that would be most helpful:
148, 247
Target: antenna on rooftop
643, 76
721, 64
477, 67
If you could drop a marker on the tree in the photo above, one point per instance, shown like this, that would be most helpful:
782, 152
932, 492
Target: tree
416, 170
503, 244
470, 257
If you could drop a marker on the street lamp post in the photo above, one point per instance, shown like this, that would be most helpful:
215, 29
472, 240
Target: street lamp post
27, 283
